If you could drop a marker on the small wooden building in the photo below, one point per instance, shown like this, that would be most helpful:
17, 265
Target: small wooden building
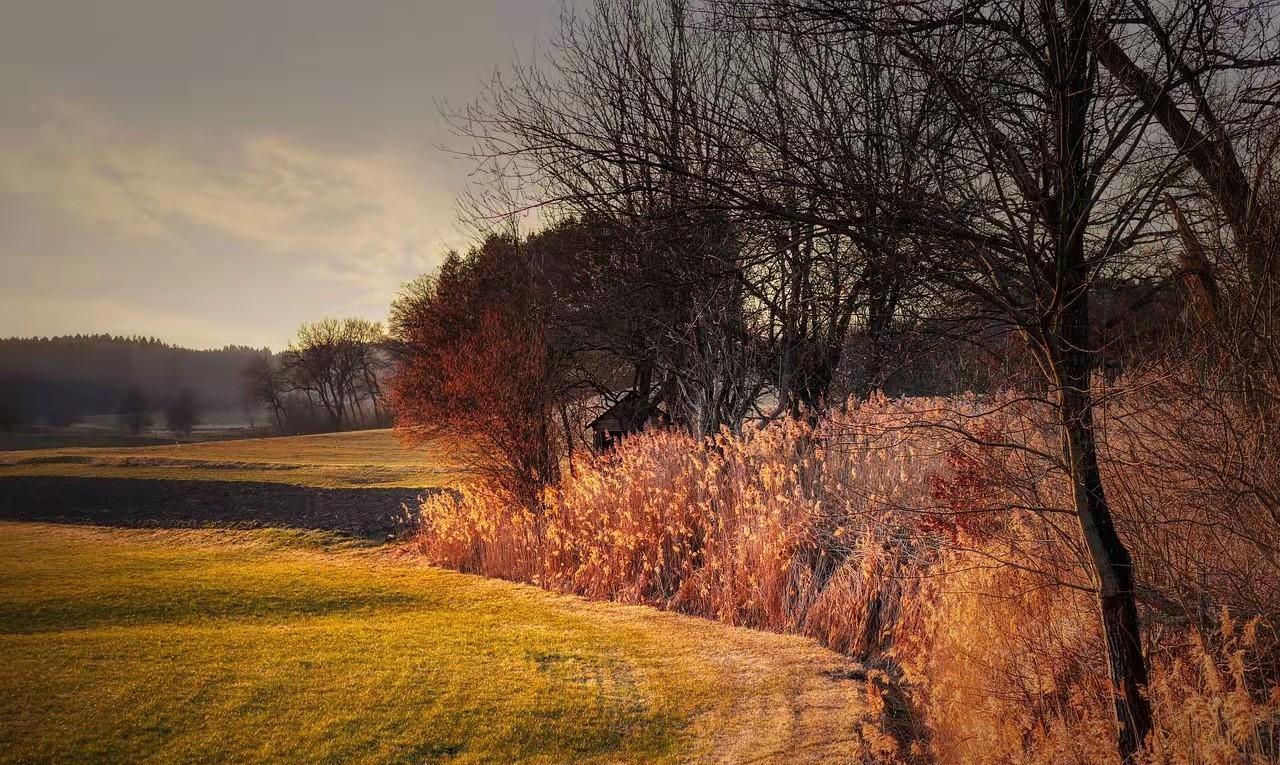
627, 415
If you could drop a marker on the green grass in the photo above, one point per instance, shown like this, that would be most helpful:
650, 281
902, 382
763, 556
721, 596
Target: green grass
285, 646
360, 459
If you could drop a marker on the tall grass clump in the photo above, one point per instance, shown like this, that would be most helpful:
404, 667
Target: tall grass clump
789, 527
1003, 654
1009, 669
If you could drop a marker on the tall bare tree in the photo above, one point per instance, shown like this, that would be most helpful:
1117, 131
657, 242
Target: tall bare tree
1042, 200
962, 166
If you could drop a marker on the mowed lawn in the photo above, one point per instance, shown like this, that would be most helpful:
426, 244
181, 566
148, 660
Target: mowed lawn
286, 646
358, 459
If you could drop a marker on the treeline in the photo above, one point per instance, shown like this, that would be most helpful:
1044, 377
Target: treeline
331, 377
775, 209
58, 380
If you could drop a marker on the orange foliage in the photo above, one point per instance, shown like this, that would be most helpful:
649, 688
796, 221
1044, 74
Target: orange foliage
475, 369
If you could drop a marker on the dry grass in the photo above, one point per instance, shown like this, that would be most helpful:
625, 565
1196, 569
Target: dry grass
887, 532
1007, 669
765, 531
358, 459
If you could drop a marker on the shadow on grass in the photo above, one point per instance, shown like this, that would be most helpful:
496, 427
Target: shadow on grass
374, 513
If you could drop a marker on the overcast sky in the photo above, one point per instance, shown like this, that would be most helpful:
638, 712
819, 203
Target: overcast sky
218, 171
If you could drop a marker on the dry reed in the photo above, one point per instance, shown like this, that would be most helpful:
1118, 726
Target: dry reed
931, 538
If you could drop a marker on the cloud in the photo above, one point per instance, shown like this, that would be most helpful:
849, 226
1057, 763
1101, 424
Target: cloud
364, 219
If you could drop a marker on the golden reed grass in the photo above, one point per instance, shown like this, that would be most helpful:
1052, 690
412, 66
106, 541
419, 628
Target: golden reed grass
929, 538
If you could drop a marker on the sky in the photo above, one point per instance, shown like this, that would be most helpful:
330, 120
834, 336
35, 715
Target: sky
216, 172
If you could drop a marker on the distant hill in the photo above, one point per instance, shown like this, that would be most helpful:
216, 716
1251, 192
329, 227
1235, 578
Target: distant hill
51, 380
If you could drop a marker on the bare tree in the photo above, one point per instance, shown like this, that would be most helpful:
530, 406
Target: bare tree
265, 385
336, 364
1205, 70
135, 412
1042, 198
182, 414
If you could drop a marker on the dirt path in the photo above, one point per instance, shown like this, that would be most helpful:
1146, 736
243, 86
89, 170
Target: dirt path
808, 705
817, 714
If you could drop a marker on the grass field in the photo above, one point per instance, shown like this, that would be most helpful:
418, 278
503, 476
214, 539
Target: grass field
285, 646
61, 438
360, 459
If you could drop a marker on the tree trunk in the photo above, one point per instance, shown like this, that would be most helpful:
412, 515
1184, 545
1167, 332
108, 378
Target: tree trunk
1073, 354
1114, 569
568, 437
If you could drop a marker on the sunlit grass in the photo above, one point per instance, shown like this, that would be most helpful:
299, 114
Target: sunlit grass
359, 459
281, 646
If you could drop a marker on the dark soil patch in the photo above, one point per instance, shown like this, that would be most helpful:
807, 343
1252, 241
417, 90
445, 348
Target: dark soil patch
369, 513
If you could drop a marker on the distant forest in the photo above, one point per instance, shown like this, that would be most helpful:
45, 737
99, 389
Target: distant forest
58, 380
